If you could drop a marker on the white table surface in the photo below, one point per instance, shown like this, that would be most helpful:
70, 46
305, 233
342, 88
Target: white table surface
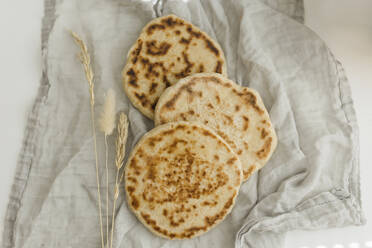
345, 25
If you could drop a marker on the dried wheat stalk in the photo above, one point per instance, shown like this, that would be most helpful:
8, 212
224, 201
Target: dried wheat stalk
121, 141
107, 125
85, 61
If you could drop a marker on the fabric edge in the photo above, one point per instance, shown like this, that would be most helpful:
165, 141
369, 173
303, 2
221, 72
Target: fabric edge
350, 114
25, 157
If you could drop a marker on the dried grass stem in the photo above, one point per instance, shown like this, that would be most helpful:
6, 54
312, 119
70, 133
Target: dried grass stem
85, 61
121, 141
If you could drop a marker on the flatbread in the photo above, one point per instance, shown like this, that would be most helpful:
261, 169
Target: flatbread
182, 179
236, 113
167, 50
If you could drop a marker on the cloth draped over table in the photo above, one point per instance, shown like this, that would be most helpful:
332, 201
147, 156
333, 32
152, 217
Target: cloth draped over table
311, 181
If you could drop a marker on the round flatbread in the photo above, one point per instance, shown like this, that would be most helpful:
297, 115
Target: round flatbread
182, 179
236, 113
167, 50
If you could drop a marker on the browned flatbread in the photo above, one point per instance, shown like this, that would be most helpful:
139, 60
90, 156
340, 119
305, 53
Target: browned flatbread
167, 50
236, 113
182, 179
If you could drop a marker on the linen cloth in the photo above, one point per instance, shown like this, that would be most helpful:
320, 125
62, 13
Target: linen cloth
311, 181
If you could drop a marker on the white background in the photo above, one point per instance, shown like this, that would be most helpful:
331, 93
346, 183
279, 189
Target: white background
345, 25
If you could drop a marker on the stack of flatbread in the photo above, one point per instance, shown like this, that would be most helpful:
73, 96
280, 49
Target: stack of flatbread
211, 134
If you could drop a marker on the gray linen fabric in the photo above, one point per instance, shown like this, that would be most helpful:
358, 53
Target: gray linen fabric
311, 182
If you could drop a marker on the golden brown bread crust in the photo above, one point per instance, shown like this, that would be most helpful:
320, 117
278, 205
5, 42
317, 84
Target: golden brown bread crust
182, 179
236, 113
167, 50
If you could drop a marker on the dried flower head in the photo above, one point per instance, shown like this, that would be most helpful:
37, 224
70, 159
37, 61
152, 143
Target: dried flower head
121, 140
85, 61
107, 118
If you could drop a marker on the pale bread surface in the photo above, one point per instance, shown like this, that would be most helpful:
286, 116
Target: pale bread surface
182, 179
236, 113
168, 49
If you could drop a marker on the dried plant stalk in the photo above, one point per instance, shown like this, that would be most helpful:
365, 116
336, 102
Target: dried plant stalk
121, 141
107, 125
85, 61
